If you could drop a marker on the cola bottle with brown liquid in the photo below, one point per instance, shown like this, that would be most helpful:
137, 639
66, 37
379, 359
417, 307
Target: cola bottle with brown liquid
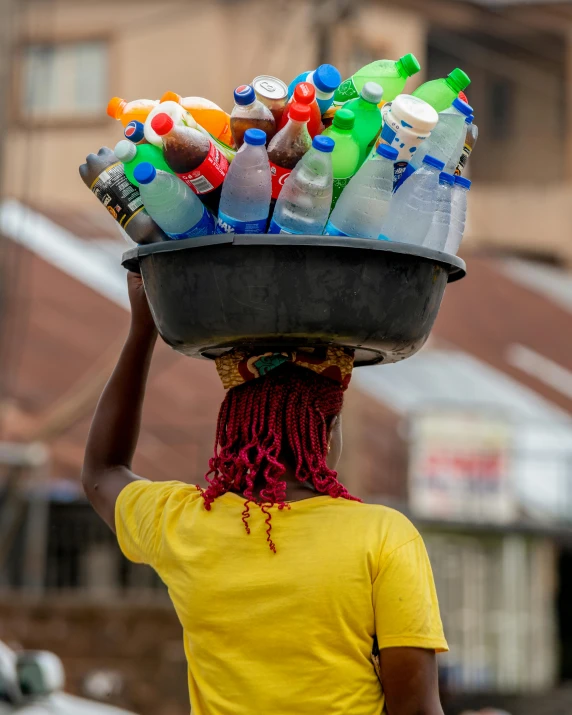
250, 113
194, 157
104, 174
288, 147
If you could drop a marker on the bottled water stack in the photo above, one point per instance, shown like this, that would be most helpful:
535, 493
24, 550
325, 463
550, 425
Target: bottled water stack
440, 226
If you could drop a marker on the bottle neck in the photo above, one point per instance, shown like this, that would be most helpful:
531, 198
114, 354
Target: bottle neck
319, 93
400, 67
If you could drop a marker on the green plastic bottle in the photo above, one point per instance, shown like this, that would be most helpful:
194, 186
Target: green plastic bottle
367, 117
346, 154
390, 74
440, 93
134, 154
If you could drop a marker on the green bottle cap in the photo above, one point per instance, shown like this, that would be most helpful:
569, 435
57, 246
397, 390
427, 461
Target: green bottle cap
458, 80
344, 119
409, 64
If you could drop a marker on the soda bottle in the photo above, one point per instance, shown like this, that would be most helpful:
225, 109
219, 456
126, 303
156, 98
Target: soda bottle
305, 93
411, 210
367, 117
390, 74
172, 204
441, 224
135, 132
126, 112
289, 146
103, 173
365, 201
206, 113
273, 93
304, 204
245, 199
440, 93
326, 79
446, 140
249, 113
470, 140
346, 154
132, 155
193, 157
458, 214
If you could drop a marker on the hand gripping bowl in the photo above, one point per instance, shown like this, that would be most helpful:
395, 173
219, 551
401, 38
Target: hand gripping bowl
213, 293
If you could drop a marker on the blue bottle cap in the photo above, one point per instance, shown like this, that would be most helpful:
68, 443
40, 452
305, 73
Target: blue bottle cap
327, 78
470, 119
325, 144
135, 131
256, 137
434, 162
446, 178
464, 183
462, 107
244, 94
144, 172
389, 152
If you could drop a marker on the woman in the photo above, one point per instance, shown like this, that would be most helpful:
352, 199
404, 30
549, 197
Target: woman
294, 597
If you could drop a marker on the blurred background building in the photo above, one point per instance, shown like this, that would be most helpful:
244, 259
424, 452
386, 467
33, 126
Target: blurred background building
472, 437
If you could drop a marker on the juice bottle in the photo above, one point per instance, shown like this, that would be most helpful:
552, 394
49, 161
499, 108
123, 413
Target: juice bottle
440, 93
137, 110
390, 74
249, 113
367, 124
289, 146
208, 114
132, 155
346, 154
305, 93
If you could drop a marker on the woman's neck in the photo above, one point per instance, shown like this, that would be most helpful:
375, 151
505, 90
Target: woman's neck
295, 489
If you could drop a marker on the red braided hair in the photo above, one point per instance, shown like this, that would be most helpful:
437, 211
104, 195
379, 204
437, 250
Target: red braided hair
268, 422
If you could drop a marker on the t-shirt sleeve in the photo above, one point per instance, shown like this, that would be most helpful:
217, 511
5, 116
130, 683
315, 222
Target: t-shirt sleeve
141, 511
405, 600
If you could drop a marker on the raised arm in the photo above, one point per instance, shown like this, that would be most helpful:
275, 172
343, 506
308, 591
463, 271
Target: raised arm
115, 427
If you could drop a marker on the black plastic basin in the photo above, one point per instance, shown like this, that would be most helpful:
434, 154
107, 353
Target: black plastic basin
213, 293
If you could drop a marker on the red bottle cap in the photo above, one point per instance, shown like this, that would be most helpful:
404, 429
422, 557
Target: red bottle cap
463, 97
299, 112
162, 124
305, 93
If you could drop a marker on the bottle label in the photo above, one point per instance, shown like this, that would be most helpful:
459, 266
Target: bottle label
204, 227
275, 228
279, 176
405, 174
463, 160
117, 194
331, 230
347, 90
226, 224
399, 169
210, 174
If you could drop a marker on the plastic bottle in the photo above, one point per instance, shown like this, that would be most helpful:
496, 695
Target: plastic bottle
446, 140
367, 117
470, 140
304, 204
411, 210
135, 132
407, 121
249, 113
132, 155
326, 79
172, 205
440, 93
305, 93
245, 199
441, 224
390, 74
346, 154
206, 113
103, 173
458, 215
289, 146
365, 201
193, 157
125, 112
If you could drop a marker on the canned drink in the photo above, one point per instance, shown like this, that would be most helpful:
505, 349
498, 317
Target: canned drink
272, 92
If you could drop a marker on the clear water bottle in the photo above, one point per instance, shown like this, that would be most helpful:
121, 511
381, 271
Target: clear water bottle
437, 235
365, 201
245, 199
446, 140
172, 204
458, 214
304, 203
412, 207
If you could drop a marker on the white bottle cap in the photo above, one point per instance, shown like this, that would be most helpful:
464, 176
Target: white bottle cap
125, 150
414, 113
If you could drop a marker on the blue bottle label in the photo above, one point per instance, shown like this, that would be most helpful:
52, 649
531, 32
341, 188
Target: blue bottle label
400, 170
276, 228
227, 224
331, 230
204, 227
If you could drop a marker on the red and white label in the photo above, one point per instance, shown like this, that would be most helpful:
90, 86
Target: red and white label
209, 175
279, 176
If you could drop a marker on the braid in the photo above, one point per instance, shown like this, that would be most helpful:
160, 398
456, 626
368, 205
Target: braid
266, 422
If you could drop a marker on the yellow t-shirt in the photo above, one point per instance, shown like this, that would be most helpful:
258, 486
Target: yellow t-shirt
291, 632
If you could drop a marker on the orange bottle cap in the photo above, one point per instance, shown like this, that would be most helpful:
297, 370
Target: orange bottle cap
171, 97
115, 107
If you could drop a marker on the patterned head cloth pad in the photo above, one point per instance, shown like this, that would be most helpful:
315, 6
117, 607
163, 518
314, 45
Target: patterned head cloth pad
239, 366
